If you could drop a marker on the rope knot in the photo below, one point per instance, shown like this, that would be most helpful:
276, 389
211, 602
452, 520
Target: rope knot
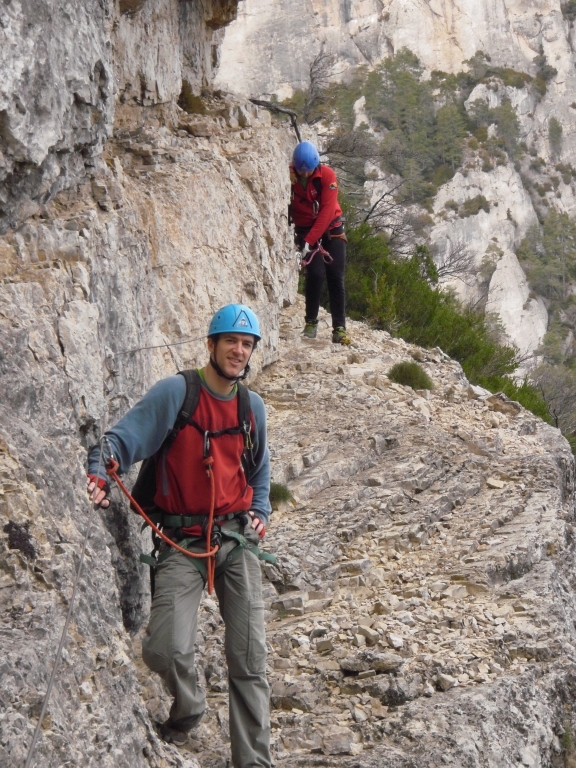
112, 467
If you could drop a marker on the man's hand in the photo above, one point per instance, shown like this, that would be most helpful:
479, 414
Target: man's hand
98, 490
257, 524
306, 249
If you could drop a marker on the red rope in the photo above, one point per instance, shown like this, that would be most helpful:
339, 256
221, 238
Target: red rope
210, 554
211, 564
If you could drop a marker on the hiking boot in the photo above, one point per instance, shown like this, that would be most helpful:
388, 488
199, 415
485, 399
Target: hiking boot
172, 735
311, 329
339, 336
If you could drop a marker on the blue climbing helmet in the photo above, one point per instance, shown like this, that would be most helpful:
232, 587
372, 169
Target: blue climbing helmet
305, 157
235, 318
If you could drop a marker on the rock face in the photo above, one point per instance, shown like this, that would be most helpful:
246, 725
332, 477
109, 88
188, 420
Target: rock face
183, 217
422, 608
491, 236
61, 68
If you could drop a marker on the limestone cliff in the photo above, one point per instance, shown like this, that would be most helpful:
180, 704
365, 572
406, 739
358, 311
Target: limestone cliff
422, 608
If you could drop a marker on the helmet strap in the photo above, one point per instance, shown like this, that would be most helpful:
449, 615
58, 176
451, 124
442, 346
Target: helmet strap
233, 379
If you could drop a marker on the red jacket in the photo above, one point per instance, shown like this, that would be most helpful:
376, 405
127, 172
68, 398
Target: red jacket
302, 203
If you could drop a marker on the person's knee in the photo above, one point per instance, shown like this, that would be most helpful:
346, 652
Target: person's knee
156, 659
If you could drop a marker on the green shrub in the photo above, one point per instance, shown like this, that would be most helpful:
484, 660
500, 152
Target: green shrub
474, 205
511, 77
400, 296
279, 493
555, 135
569, 10
410, 374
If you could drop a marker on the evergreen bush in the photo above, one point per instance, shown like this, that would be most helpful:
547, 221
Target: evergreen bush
410, 374
279, 493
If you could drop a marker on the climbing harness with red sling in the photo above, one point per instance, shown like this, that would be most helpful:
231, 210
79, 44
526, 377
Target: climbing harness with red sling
318, 249
210, 554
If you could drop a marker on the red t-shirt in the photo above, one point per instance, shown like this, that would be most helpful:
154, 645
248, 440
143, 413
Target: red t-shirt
182, 486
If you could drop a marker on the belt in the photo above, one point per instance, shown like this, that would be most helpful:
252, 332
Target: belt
186, 521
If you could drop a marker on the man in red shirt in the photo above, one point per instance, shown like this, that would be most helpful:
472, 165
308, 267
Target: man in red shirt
319, 233
241, 508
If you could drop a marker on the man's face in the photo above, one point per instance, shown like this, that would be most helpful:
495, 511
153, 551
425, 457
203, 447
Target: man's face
305, 174
232, 351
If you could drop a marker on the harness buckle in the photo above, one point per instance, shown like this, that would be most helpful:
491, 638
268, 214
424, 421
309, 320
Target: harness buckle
206, 444
216, 535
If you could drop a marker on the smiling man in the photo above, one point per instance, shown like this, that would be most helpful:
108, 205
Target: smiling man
180, 421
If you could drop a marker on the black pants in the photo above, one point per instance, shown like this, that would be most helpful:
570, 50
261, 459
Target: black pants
334, 272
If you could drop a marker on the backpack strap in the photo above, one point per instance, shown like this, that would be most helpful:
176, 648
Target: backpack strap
144, 489
192, 379
245, 422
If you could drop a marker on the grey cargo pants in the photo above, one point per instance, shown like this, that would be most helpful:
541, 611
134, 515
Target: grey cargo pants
168, 648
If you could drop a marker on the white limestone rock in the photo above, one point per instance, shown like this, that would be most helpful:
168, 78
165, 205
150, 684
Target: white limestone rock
523, 315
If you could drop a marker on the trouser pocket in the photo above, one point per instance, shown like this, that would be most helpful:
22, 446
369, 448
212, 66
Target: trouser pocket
256, 656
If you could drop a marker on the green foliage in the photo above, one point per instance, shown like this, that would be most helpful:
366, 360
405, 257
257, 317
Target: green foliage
341, 97
555, 136
481, 71
420, 138
505, 119
279, 493
548, 256
296, 102
544, 73
478, 66
410, 374
567, 172
450, 130
474, 205
189, 102
401, 296
512, 78
525, 393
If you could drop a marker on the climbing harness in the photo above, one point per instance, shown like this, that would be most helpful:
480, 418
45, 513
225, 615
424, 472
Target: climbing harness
306, 260
65, 628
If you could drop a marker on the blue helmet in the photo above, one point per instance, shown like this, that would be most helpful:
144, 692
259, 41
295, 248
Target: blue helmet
235, 318
305, 157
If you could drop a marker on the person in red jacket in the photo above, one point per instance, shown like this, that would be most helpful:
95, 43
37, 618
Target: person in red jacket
319, 234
